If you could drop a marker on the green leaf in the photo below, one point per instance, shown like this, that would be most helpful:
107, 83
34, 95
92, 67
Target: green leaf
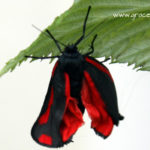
124, 39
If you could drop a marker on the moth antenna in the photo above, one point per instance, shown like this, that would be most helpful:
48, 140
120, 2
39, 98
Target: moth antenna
54, 40
47, 34
84, 27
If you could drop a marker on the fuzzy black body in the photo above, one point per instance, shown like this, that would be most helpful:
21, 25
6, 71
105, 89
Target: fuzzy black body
75, 66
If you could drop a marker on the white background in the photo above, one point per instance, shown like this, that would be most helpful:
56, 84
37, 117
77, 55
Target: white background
22, 92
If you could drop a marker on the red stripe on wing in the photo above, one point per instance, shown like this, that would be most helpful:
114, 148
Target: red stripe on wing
72, 118
44, 117
93, 102
99, 66
55, 66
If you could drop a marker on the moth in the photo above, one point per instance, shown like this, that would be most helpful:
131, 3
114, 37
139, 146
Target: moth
78, 82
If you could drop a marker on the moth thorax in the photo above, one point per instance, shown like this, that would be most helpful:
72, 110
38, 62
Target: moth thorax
71, 49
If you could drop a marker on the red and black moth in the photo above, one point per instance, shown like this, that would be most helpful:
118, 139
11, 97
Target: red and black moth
78, 82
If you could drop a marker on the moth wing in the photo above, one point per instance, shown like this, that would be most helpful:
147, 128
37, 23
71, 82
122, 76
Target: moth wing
99, 97
59, 117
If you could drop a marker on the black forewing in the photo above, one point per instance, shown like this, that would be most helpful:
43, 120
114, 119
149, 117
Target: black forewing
105, 85
48, 132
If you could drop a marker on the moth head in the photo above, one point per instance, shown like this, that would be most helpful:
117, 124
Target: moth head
71, 48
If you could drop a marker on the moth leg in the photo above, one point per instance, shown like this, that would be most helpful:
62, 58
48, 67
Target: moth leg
92, 46
42, 57
106, 59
